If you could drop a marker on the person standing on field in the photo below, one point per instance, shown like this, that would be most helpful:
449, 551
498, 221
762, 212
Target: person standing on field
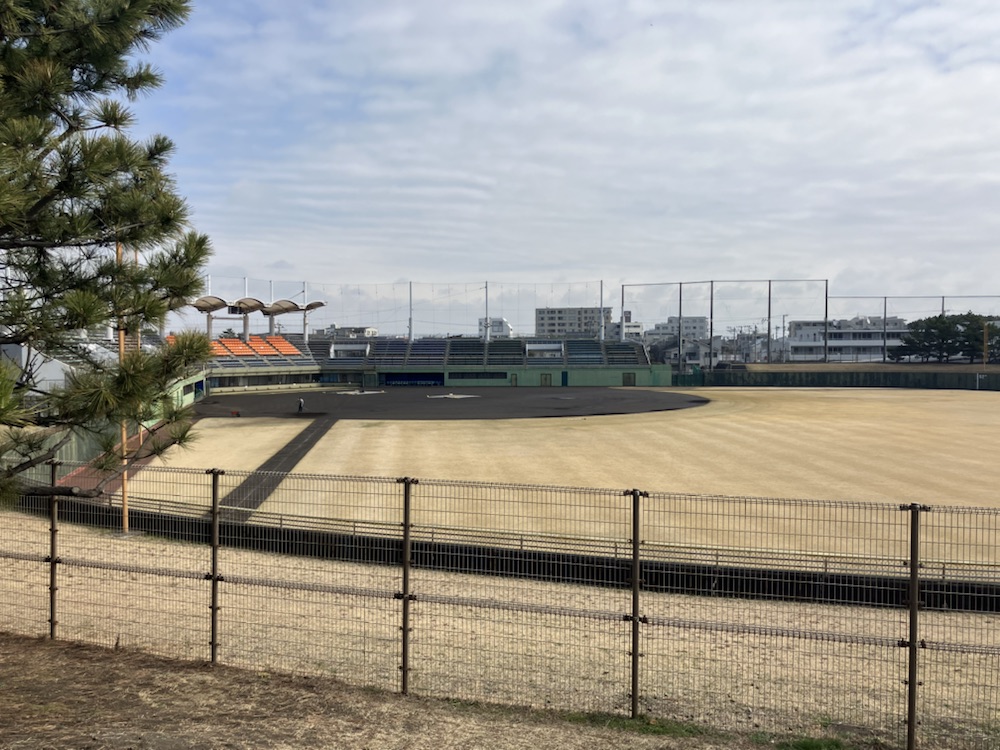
302, 405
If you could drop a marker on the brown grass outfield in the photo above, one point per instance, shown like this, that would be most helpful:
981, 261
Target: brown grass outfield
932, 447
882, 445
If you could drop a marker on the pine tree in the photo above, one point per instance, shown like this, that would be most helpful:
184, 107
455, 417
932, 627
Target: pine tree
92, 231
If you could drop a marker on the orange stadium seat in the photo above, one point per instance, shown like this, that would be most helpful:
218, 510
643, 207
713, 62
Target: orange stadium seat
262, 347
284, 346
237, 347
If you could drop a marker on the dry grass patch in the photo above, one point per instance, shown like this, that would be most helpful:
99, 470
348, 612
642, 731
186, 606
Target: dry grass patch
63, 695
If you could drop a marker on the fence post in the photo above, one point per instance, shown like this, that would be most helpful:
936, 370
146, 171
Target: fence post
635, 617
405, 594
214, 575
913, 642
53, 558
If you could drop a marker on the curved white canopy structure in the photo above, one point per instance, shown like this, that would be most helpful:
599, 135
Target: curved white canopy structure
209, 304
245, 305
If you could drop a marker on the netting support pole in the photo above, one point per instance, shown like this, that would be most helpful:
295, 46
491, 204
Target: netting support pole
680, 329
711, 325
770, 282
636, 617
826, 320
214, 575
621, 319
405, 594
885, 329
913, 643
53, 558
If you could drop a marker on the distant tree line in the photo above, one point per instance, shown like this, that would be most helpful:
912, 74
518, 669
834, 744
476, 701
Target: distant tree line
944, 338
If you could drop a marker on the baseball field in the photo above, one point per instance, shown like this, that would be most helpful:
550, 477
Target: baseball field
744, 659
931, 447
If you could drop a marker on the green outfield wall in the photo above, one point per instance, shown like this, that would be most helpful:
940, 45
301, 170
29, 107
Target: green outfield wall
523, 377
941, 379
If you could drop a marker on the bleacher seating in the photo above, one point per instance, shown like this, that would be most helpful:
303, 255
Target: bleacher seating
505, 352
466, 352
318, 348
387, 351
432, 353
284, 346
258, 352
584, 352
625, 353
237, 348
243, 353
218, 350
427, 352
262, 347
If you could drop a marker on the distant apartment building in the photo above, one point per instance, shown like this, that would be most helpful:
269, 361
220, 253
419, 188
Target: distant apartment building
495, 328
694, 327
860, 339
633, 331
571, 321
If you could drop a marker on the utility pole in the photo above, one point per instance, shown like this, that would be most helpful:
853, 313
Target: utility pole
119, 258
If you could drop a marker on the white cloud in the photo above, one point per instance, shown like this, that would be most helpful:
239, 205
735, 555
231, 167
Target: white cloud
534, 140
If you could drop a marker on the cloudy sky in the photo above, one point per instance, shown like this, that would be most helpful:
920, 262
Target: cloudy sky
567, 140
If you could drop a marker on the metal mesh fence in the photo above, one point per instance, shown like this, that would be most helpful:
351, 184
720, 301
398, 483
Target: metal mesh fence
960, 653
145, 590
818, 582
742, 613
24, 545
514, 618
310, 567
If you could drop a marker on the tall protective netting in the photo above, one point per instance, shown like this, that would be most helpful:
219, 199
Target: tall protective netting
404, 308
745, 320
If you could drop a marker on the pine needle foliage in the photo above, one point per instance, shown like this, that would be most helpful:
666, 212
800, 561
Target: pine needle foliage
93, 233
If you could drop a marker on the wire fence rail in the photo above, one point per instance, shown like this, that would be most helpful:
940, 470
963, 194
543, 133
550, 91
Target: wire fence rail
750, 614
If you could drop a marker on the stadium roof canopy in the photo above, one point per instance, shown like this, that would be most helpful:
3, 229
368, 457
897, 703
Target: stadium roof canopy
211, 303
283, 306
